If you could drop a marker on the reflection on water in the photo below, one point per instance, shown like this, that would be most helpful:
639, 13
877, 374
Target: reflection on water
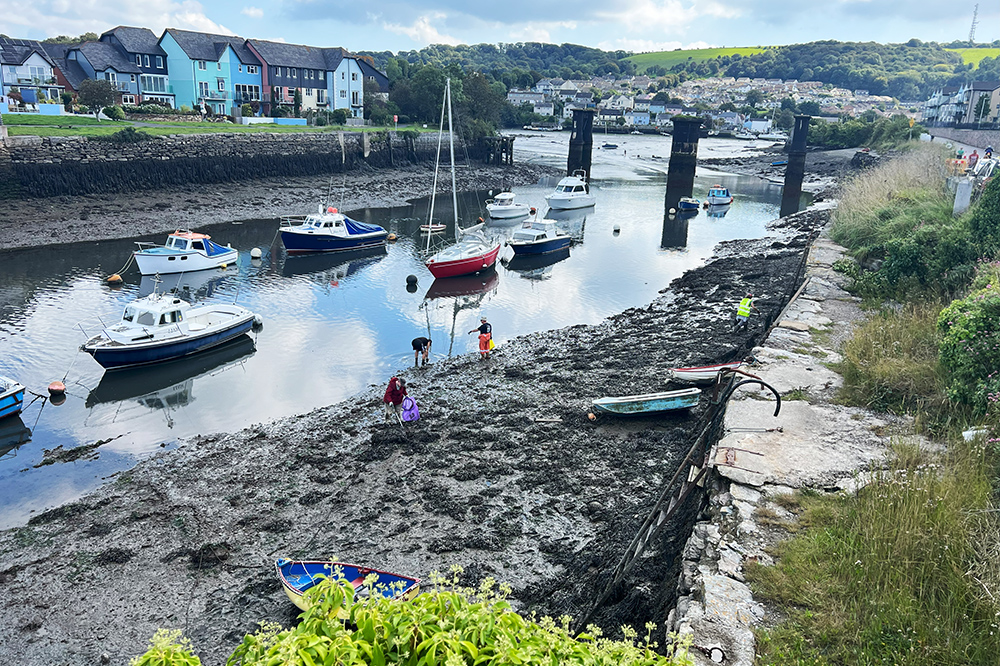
334, 324
718, 210
675, 232
13, 433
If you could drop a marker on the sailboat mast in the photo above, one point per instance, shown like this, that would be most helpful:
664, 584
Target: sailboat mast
437, 163
451, 148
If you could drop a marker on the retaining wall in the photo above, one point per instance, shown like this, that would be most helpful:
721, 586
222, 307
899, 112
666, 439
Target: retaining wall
51, 166
975, 138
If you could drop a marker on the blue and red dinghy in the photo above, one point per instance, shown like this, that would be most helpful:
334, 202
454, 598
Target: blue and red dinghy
297, 576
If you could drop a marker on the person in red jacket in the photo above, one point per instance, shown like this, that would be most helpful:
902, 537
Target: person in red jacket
393, 398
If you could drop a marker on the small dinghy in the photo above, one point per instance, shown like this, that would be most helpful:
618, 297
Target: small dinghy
184, 251
164, 327
297, 576
650, 403
433, 228
11, 397
702, 373
688, 203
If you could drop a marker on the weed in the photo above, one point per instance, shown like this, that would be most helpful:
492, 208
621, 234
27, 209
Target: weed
798, 393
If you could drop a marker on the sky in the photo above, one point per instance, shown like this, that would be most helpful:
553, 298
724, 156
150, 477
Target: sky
403, 25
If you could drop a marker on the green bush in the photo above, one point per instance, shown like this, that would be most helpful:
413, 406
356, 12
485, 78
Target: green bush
447, 625
970, 341
246, 111
114, 112
148, 107
985, 220
338, 116
167, 648
126, 135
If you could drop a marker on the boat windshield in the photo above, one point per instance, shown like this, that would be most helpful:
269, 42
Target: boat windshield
177, 243
129, 314
145, 318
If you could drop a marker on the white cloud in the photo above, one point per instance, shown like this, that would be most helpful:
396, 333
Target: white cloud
252, 12
666, 16
422, 32
649, 46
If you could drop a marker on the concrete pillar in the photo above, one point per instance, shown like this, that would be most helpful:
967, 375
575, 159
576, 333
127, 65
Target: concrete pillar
683, 160
963, 196
581, 142
675, 232
796, 167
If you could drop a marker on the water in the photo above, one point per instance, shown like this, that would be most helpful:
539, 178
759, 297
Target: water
334, 324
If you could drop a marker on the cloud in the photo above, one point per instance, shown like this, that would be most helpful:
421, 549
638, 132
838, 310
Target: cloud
649, 46
48, 18
252, 12
422, 32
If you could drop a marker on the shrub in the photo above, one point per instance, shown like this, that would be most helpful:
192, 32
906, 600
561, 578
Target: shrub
126, 135
246, 110
67, 100
114, 112
985, 220
167, 648
149, 107
338, 116
82, 108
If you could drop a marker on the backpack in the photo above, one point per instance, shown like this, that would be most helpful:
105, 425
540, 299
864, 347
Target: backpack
410, 410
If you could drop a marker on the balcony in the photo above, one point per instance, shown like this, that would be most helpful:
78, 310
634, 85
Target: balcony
214, 95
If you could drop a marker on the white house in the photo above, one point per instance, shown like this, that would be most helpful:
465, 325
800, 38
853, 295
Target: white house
545, 109
27, 67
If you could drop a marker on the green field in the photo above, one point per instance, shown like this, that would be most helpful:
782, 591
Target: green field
975, 55
668, 59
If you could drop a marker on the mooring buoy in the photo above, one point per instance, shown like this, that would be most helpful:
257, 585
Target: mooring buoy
256, 253
411, 279
114, 279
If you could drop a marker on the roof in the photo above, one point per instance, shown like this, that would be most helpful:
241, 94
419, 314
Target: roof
381, 79
291, 55
206, 46
17, 51
70, 69
102, 56
136, 40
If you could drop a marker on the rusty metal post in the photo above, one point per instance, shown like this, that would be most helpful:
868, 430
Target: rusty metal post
796, 167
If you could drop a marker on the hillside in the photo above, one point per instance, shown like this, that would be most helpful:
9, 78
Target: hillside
669, 59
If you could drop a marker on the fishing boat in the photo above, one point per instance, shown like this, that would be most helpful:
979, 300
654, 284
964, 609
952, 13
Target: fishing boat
688, 203
184, 251
328, 231
161, 327
539, 237
718, 196
503, 206
702, 373
472, 252
572, 192
11, 397
297, 576
650, 403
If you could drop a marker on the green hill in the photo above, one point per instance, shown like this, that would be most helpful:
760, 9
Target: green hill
667, 59
973, 56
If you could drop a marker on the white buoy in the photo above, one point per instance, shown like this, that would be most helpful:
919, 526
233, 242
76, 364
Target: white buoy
672, 211
617, 228
256, 253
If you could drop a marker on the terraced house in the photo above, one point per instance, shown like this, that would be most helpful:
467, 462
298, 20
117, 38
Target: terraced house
26, 68
141, 47
213, 71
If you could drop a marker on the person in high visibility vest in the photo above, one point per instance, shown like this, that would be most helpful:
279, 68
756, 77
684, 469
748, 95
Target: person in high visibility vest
743, 311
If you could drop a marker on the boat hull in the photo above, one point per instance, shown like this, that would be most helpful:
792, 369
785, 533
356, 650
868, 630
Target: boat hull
692, 204
652, 403
297, 243
507, 212
112, 358
559, 203
11, 400
719, 201
164, 262
466, 266
299, 576
543, 247
704, 373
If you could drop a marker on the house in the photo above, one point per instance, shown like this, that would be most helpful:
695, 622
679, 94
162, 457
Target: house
635, 117
642, 102
519, 97
141, 47
970, 95
214, 71
620, 102
377, 80
68, 73
583, 99
567, 91
100, 60
326, 77
545, 109
28, 69
609, 116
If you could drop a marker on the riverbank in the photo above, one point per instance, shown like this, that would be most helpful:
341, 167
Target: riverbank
69, 219
504, 474
823, 169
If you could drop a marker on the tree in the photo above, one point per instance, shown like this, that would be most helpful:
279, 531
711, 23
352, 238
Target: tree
809, 108
97, 94
63, 39
753, 98
297, 101
67, 100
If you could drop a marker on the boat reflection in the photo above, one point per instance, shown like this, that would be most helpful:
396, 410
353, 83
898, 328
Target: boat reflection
535, 266
331, 267
13, 433
166, 385
718, 211
466, 292
573, 222
196, 285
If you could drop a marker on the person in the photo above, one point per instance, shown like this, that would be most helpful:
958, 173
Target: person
960, 154
743, 311
485, 335
989, 152
973, 159
421, 345
393, 398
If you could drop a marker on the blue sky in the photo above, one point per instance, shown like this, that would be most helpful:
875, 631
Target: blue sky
401, 25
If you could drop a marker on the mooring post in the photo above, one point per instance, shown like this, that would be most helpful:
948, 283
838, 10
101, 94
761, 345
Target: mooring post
796, 167
683, 160
581, 142
675, 232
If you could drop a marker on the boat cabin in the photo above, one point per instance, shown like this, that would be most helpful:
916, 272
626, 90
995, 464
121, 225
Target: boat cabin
504, 199
536, 230
155, 311
328, 221
573, 186
719, 191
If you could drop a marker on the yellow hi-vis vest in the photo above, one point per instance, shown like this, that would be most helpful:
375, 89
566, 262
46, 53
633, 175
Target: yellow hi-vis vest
744, 309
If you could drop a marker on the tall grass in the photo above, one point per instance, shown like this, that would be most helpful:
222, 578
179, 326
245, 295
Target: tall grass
891, 199
902, 573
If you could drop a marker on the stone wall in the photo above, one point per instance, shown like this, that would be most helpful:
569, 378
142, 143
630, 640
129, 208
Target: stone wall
51, 166
975, 138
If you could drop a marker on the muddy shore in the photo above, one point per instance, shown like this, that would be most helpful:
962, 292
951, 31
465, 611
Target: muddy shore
69, 219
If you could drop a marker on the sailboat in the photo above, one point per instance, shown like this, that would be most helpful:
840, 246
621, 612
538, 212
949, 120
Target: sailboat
472, 251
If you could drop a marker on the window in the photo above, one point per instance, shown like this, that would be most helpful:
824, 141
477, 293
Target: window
111, 76
343, 76
159, 62
293, 72
240, 68
248, 93
138, 60
218, 65
203, 88
289, 93
251, 69
354, 98
146, 59
309, 92
354, 76
222, 84
128, 99
153, 83
202, 65
343, 94
321, 96
39, 73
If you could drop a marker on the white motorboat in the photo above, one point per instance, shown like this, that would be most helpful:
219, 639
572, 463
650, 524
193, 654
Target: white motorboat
539, 237
183, 252
502, 207
164, 327
571, 192
328, 230
719, 196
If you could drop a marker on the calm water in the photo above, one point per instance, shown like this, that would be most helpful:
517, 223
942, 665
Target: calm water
334, 324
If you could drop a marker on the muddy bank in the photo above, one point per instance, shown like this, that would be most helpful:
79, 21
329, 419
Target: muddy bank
823, 167
67, 219
187, 539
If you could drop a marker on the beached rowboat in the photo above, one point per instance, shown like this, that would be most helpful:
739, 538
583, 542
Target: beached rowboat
650, 403
298, 576
702, 373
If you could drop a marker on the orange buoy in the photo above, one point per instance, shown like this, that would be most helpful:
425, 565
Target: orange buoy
592, 416
391, 238
114, 279
57, 388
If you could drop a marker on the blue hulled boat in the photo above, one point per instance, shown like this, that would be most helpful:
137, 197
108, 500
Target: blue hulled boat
688, 203
650, 403
328, 231
538, 237
11, 397
298, 576
161, 328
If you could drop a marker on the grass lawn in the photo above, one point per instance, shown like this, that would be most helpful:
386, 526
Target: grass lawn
15, 119
58, 126
975, 55
668, 59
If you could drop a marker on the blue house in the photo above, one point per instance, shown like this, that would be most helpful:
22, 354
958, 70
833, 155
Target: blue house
100, 60
141, 47
215, 71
